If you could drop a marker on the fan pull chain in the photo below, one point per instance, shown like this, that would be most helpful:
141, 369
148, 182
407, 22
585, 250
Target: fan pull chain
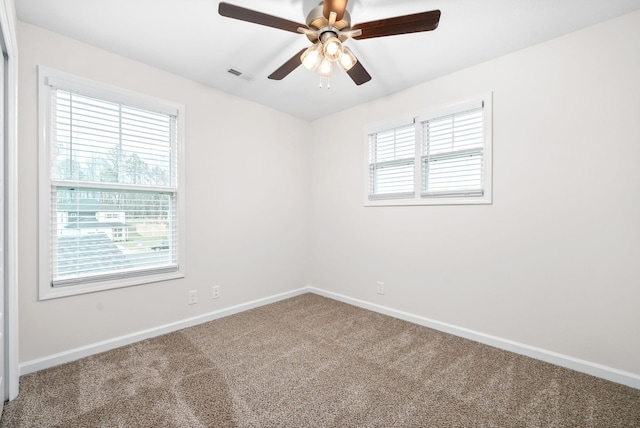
328, 83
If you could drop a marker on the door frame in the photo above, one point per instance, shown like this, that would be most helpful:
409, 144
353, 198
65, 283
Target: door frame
10, 46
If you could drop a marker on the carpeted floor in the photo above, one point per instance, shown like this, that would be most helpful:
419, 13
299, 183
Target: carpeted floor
313, 362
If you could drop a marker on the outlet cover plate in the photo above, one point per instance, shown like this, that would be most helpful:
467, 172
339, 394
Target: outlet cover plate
193, 297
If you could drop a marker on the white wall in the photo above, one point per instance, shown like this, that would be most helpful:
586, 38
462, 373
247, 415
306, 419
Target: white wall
247, 213
554, 262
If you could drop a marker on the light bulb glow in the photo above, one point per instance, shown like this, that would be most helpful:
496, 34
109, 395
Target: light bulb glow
326, 68
348, 59
312, 56
332, 48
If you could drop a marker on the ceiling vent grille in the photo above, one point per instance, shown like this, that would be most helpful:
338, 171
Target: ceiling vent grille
239, 74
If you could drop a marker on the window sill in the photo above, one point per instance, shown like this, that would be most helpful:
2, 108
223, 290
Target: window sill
479, 200
47, 292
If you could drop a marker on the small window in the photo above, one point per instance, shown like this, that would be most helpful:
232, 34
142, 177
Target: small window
392, 162
111, 187
440, 156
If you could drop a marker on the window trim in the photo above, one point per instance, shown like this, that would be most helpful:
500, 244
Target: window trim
420, 197
47, 77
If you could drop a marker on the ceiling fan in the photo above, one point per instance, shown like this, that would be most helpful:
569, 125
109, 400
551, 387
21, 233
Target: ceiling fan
328, 27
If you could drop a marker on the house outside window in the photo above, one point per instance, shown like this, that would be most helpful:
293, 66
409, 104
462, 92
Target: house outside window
437, 156
111, 188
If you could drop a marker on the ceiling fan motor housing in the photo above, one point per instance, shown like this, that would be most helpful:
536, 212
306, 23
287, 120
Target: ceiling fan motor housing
317, 22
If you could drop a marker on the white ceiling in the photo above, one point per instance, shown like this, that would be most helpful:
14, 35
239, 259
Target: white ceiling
189, 38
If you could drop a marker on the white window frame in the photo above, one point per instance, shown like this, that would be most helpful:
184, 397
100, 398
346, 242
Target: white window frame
418, 197
48, 77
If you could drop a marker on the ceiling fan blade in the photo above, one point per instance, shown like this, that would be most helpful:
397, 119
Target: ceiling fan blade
287, 67
337, 6
248, 15
417, 22
358, 74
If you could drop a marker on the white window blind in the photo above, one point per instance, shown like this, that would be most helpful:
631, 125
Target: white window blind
392, 163
113, 177
442, 155
452, 149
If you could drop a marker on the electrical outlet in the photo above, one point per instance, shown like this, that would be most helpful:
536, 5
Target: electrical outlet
215, 292
193, 297
380, 287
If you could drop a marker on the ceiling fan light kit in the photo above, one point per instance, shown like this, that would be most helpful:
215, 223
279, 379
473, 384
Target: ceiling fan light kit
328, 27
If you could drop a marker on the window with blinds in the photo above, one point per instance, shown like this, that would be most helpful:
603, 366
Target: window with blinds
112, 175
442, 156
452, 149
392, 163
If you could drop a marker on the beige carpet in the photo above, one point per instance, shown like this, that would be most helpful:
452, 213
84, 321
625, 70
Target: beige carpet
314, 362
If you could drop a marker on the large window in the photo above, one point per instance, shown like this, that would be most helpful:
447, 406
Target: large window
111, 187
439, 156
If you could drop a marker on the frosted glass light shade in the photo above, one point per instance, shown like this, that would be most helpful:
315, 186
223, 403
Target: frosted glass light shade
326, 68
332, 48
347, 60
312, 57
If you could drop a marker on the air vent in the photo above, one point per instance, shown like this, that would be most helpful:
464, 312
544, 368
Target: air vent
239, 74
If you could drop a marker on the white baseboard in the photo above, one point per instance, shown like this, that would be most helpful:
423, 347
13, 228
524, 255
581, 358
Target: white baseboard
590, 368
593, 369
96, 348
